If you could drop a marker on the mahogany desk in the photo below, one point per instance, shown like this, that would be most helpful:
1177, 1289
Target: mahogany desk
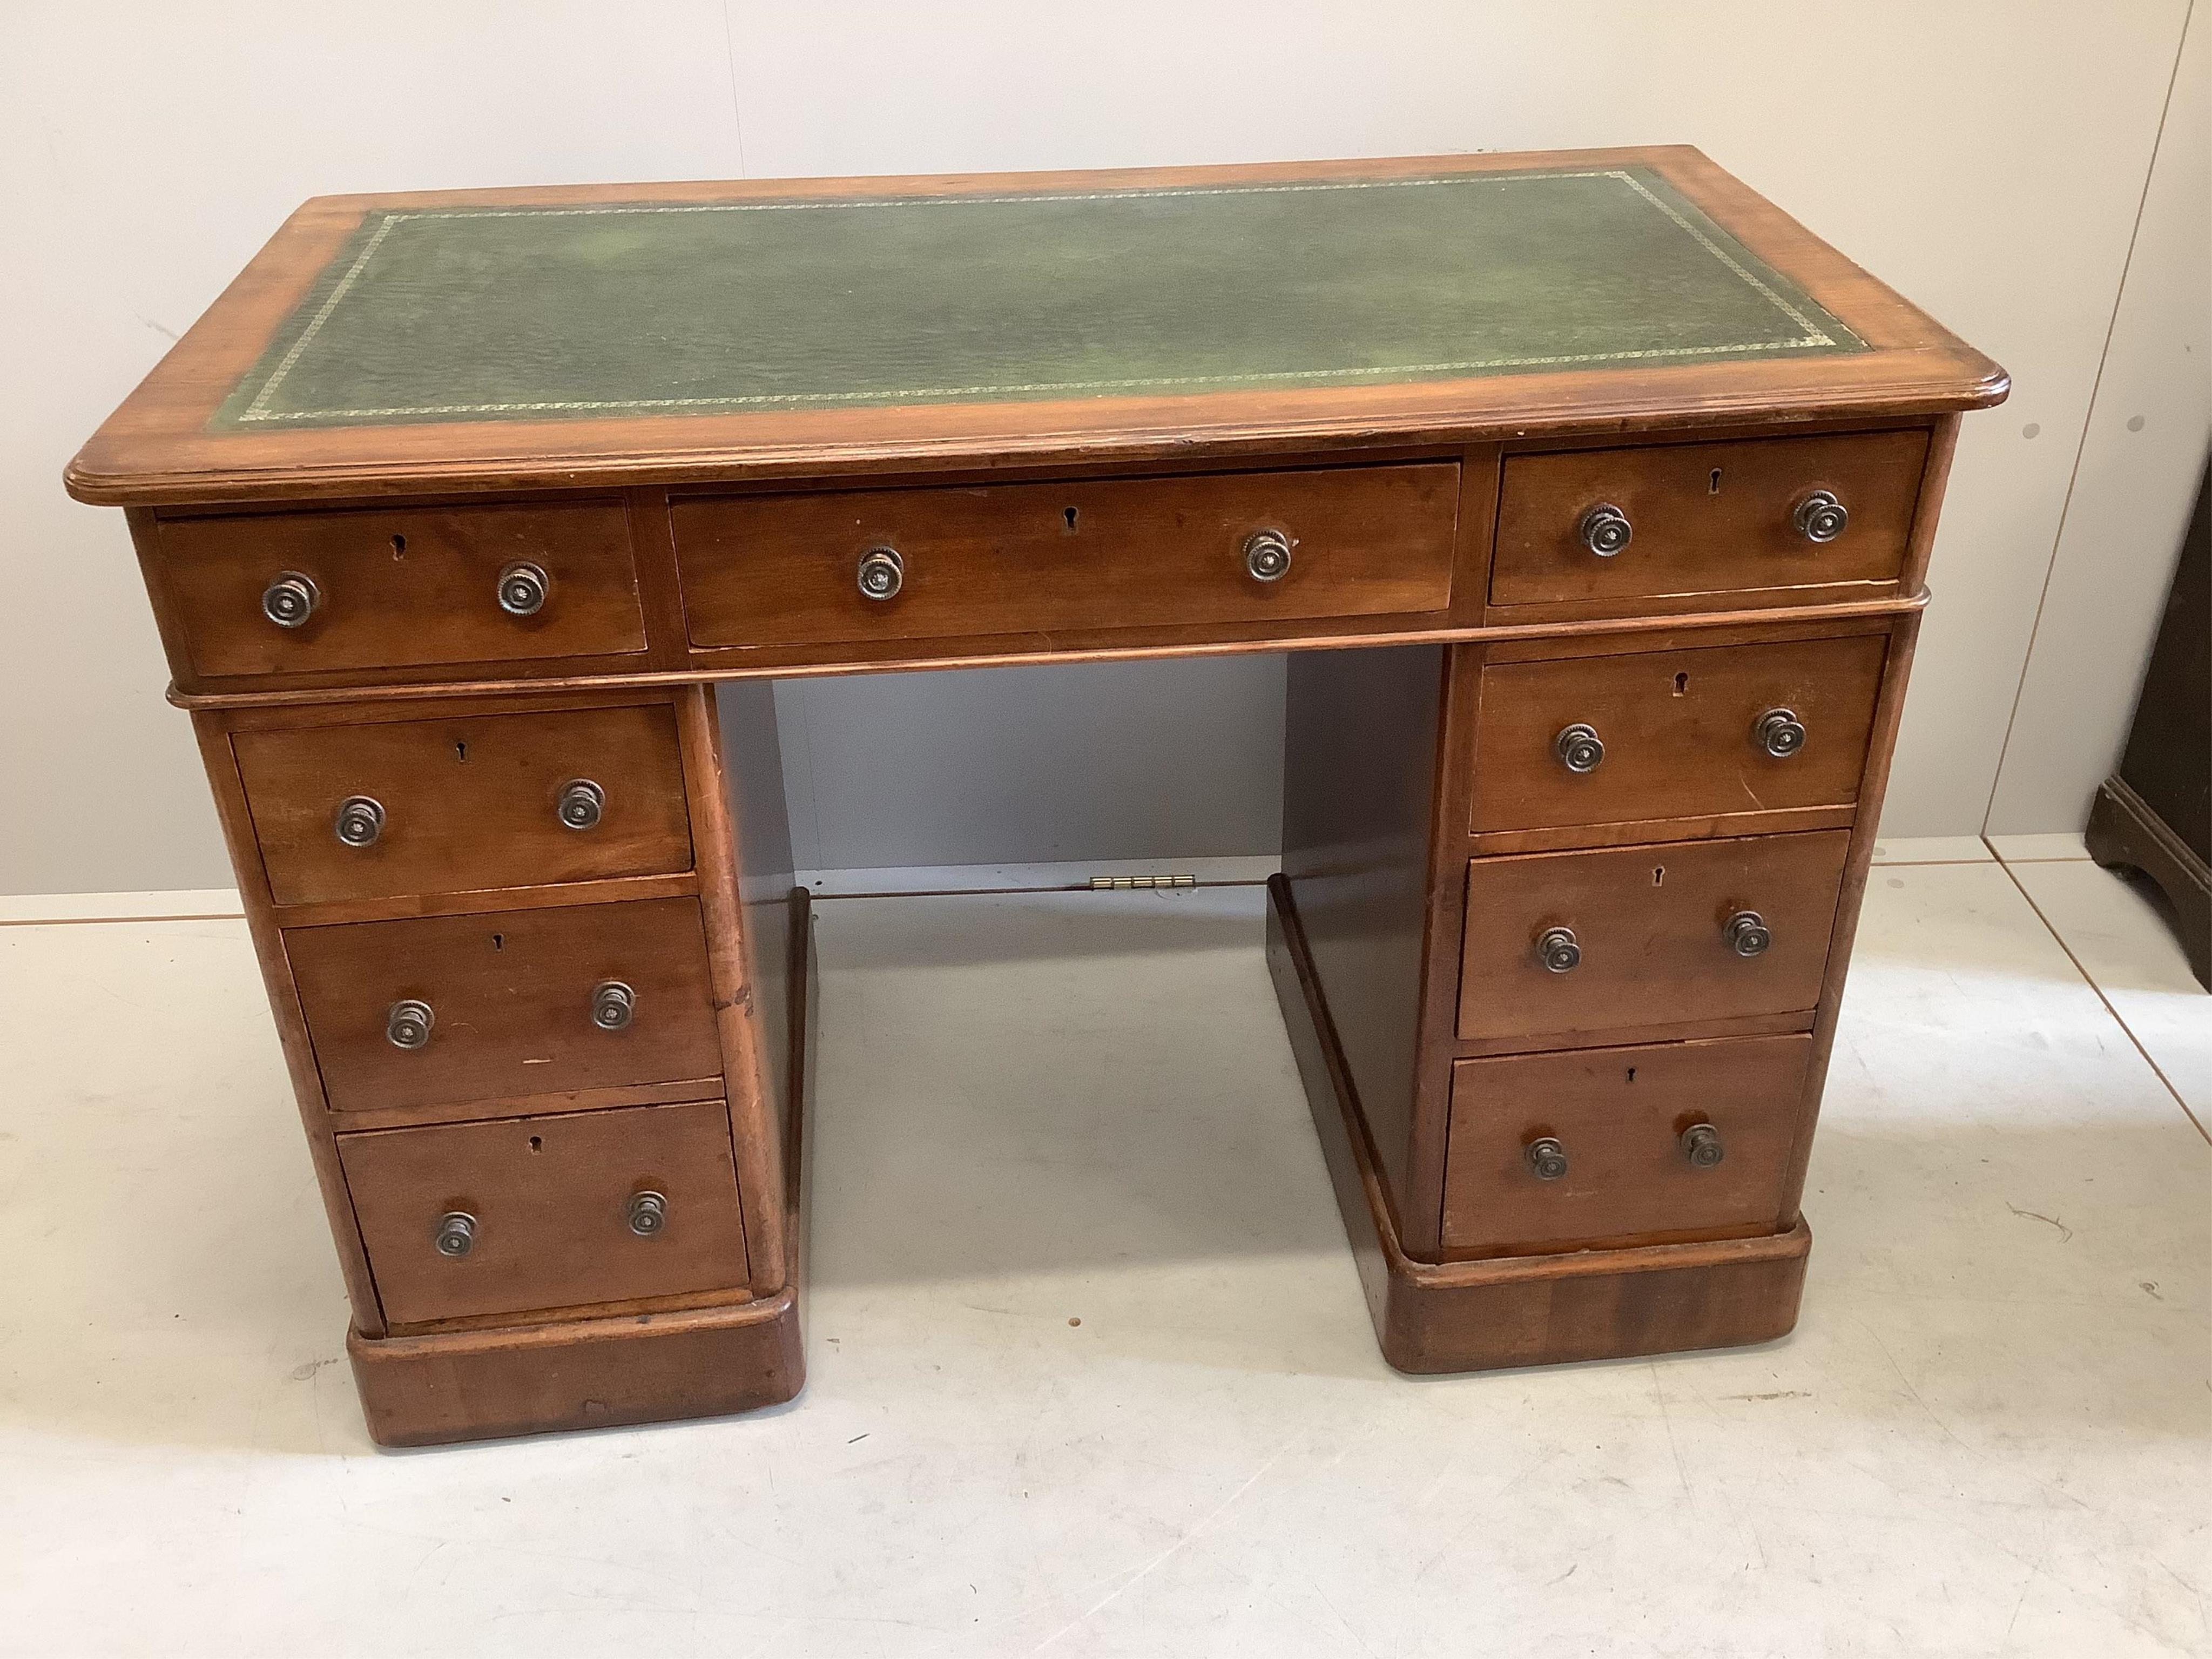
1593, 495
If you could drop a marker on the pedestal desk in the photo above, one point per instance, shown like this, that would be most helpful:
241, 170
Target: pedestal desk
1592, 495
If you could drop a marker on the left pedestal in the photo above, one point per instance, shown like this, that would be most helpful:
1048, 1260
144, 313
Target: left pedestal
543, 999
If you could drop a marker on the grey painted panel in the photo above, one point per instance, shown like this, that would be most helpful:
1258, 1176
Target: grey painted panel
1132, 760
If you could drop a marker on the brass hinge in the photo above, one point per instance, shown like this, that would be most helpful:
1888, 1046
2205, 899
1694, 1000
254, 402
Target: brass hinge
1124, 884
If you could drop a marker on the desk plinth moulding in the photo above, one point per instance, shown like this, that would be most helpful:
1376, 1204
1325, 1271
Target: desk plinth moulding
1592, 496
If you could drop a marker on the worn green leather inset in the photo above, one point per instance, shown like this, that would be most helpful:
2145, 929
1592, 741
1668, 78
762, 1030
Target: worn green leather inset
531, 313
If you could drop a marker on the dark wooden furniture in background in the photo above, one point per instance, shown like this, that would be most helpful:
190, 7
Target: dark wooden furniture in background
1593, 495
2154, 814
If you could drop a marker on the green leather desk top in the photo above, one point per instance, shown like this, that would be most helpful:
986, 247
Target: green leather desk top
659, 307
571, 336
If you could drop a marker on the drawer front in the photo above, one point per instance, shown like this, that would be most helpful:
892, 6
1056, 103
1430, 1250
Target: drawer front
403, 587
1680, 732
550, 1202
1631, 1164
1649, 930
467, 804
1086, 556
1704, 518
519, 1003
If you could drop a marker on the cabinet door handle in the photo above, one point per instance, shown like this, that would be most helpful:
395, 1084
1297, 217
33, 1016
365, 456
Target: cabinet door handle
1701, 1144
290, 598
614, 1005
1820, 517
1548, 1159
523, 589
582, 804
648, 1213
883, 573
408, 1023
1605, 530
360, 821
1779, 733
1557, 949
1746, 934
456, 1233
1578, 747
1267, 555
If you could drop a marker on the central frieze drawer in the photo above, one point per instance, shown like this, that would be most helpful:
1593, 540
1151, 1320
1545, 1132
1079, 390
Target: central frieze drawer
534, 1212
1084, 556
458, 805
438, 1010
1562, 946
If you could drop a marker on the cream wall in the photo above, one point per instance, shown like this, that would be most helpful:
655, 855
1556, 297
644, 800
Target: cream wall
1989, 158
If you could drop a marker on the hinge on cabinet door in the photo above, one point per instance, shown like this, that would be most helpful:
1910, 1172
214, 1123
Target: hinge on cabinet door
1124, 884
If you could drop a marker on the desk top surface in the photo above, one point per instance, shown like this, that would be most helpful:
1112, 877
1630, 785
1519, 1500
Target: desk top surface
519, 338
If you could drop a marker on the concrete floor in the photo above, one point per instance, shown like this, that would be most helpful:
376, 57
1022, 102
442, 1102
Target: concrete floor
1091, 1373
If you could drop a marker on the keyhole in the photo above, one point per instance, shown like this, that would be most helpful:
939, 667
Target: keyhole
1659, 876
499, 941
1067, 514
1713, 484
461, 752
399, 547
1681, 684
1631, 1074
538, 1142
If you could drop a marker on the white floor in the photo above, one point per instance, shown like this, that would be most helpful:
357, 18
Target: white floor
1090, 1371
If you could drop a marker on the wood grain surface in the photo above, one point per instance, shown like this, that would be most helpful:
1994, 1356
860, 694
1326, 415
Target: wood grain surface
405, 587
1078, 554
1619, 1113
471, 804
550, 1195
510, 992
1649, 921
1706, 519
1678, 730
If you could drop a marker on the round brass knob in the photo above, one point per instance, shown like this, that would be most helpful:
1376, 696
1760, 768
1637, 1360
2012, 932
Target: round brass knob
1701, 1144
648, 1213
1267, 555
407, 1024
1779, 733
1547, 1159
582, 804
1556, 950
522, 589
883, 573
360, 820
1579, 748
455, 1234
614, 1005
290, 600
1605, 530
1820, 517
1746, 934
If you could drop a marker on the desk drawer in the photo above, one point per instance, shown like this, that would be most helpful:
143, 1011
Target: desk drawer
1704, 518
521, 1003
1080, 557
1647, 1145
548, 1203
466, 804
1652, 939
403, 587
1680, 733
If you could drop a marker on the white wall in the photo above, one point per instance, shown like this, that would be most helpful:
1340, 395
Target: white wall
1986, 156
2133, 489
